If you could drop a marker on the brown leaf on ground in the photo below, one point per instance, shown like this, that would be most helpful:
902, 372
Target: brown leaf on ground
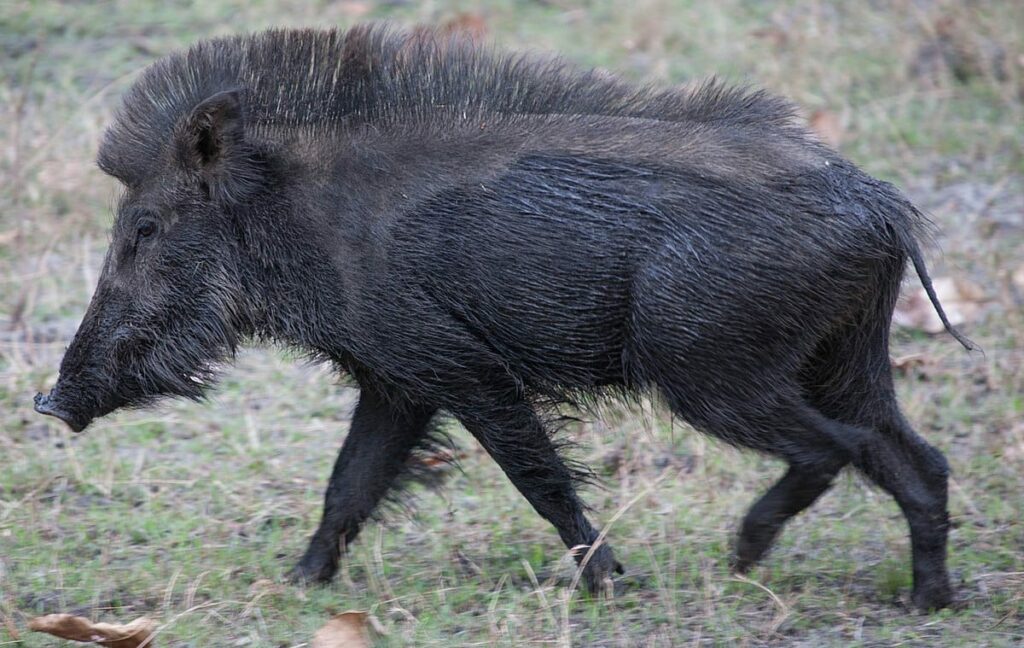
960, 299
472, 25
904, 364
1018, 277
355, 9
136, 634
345, 630
827, 126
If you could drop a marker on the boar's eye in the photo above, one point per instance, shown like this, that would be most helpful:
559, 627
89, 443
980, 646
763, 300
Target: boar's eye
145, 228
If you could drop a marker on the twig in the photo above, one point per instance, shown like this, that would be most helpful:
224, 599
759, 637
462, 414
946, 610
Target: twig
608, 525
783, 612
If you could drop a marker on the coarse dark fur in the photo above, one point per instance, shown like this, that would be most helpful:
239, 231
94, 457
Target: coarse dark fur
491, 236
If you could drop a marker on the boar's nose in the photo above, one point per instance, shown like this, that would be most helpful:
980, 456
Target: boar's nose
44, 404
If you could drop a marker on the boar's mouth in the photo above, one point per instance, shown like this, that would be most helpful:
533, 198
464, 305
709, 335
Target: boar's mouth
46, 404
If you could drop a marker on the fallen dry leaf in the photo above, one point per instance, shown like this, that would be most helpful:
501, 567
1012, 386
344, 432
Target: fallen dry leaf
345, 630
960, 299
66, 626
470, 25
355, 9
903, 364
827, 127
1018, 277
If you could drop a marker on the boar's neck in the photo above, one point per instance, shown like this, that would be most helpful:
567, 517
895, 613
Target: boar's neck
286, 271
316, 243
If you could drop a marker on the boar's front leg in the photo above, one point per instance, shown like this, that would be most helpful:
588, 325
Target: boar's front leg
515, 438
383, 433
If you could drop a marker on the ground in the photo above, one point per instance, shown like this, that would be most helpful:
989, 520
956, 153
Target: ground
192, 513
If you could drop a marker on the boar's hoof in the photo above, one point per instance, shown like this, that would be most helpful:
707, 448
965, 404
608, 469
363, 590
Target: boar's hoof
934, 595
314, 568
597, 574
741, 565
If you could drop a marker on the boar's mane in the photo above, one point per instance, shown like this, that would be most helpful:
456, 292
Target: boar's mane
323, 80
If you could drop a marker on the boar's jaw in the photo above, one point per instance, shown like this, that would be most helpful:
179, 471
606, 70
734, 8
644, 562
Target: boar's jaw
47, 404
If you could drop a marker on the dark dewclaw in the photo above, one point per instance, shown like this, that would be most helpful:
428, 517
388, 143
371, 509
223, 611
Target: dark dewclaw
493, 237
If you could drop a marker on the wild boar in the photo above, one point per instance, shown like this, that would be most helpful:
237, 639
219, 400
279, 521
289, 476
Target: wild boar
492, 237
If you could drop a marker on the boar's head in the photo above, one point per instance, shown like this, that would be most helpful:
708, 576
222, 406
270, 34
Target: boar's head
170, 301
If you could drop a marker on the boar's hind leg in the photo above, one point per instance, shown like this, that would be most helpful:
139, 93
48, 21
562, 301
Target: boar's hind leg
815, 448
800, 487
850, 379
515, 438
916, 475
381, 438
894, 457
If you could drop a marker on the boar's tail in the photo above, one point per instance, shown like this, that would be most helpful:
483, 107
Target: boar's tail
917, 258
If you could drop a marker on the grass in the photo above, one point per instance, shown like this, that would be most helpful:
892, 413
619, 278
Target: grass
191, 514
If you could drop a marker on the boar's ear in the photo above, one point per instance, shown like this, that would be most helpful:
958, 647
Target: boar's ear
212, 138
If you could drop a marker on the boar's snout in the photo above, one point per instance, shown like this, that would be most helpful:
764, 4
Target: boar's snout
50, 405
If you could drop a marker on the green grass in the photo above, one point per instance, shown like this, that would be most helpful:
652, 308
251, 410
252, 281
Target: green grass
192, 514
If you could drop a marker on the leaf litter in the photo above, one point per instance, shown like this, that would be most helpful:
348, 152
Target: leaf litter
137, 634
